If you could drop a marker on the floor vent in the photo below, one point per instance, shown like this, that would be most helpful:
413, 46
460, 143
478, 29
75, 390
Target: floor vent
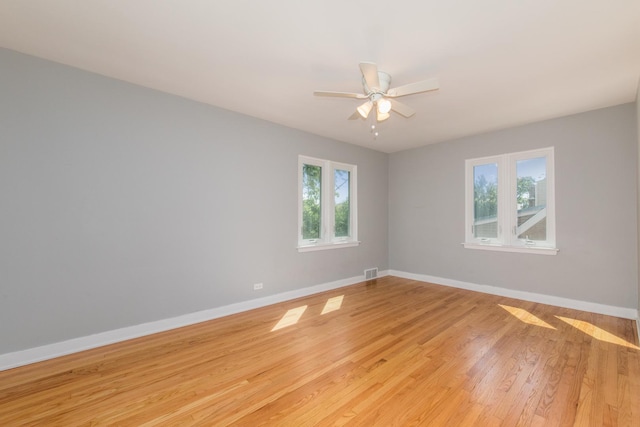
371, 273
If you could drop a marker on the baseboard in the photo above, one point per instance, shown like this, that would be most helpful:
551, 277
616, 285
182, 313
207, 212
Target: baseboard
623, 312
638, 329
50, 351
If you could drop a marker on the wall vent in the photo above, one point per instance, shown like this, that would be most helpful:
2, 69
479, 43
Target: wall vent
371, 273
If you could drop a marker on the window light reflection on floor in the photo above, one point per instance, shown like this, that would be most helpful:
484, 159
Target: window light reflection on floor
525, 316
333, 304
586, 327
597, 333
291, 317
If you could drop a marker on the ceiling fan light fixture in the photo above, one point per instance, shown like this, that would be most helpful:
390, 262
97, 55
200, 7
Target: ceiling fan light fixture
381, 116
365, 108
384, 106
376, 90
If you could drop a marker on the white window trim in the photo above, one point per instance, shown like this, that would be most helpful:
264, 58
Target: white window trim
506, 240
327, 239
540, 250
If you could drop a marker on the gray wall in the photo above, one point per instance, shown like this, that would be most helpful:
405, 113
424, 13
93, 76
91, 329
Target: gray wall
596, 210
122, 205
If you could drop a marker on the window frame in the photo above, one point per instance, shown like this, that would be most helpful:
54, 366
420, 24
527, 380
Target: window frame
328, 239
507, 214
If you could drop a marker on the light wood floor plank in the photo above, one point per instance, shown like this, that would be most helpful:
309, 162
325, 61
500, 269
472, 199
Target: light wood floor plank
395, 352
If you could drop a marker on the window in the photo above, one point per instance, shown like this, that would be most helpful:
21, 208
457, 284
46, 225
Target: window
327, 209
510, 202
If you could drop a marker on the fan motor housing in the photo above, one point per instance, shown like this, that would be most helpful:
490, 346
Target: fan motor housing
385, 82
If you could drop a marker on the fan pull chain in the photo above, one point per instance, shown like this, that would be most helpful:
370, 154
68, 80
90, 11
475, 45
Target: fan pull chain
374, 130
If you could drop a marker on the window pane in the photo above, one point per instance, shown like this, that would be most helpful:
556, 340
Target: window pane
531, 198
311, 208
342, 202
485, 201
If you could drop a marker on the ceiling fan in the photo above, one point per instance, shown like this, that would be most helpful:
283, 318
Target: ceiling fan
376, 91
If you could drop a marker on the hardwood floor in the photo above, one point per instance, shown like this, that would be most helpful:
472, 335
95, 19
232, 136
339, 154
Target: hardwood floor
386, 352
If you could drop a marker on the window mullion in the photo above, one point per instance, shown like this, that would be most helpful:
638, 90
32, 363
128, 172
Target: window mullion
329, 200
509, 206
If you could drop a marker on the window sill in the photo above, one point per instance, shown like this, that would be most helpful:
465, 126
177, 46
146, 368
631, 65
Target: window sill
325, 246
519, 249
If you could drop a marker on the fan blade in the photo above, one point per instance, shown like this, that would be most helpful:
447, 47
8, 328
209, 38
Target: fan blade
370, 73
355, 116
340, 94
417, 87
401, 108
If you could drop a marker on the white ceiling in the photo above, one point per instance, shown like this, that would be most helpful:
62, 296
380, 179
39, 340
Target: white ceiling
500, 62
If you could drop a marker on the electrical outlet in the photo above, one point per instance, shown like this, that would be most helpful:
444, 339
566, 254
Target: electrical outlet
257, 286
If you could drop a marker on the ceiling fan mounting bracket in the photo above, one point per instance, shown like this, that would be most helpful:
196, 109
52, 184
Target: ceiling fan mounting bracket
385, 82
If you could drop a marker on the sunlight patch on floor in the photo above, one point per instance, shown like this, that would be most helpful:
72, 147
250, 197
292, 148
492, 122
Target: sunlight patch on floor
597, 333
333, 304
291, 317
525, 316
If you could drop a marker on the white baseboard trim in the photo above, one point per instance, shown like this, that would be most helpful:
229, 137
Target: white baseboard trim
50, 351
623, 312
638, 328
